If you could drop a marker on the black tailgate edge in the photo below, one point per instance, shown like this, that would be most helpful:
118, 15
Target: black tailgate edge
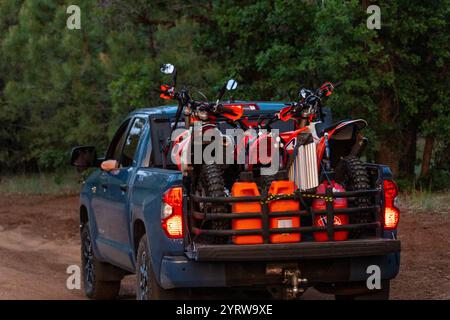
295, 251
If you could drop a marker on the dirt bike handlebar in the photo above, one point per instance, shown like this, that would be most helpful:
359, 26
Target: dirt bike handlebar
214, 108
314, 97
310, 104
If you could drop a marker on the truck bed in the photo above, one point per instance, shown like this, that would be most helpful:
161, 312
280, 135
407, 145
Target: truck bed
370, 239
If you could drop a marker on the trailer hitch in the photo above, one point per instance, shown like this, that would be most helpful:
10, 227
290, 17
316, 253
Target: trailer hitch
292, 277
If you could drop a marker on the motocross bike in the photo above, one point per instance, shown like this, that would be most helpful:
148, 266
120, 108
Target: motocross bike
338, 145
302, 113
315, 153
201, 118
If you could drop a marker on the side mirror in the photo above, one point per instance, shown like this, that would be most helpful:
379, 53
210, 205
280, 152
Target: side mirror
83, 157
231, 84
109, 165
167, 68
170, 69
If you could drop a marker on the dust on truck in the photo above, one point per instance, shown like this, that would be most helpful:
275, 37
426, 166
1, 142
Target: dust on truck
137, 216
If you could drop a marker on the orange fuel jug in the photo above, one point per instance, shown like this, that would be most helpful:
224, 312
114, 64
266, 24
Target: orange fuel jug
339, 219
246, 189
284, 187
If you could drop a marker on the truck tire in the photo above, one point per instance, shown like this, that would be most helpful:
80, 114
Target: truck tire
147, 287
382, 294
211, 184
93, 271
353, 176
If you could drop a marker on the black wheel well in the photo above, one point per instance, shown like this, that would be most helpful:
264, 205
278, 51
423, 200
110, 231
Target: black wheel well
138, 232
84, 218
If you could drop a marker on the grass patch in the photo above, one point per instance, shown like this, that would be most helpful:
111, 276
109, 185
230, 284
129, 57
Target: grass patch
426, 201
44, 183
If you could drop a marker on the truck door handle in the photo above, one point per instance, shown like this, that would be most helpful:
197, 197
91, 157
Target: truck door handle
124, 187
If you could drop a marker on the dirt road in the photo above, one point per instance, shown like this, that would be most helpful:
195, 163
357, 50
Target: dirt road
39, 240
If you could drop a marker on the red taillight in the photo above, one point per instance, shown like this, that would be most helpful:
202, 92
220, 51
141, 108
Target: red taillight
391, 212
172, 212
390, 189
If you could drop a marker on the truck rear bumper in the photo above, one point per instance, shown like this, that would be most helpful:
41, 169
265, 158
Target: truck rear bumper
297, 251
324, 262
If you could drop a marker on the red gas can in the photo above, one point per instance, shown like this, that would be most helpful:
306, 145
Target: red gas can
339, 219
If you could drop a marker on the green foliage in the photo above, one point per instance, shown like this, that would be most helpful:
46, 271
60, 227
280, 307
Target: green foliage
131, 89
60, 87
396, 78
51, 159
435, 180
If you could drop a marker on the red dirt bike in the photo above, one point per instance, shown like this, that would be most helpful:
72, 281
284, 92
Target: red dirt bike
331, 142
201, 119
315, 153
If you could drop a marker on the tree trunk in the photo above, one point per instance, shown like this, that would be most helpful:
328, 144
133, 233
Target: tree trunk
427, 152
408, 149
389, 136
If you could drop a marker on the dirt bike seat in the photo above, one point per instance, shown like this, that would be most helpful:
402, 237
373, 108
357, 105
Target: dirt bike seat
322, 127
345, 132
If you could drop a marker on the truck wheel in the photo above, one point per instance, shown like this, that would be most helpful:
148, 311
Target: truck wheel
147, 287
382, 294
211, 184
95, 288
351, 173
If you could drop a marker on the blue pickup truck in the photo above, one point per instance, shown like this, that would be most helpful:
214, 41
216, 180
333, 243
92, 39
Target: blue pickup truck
123, 232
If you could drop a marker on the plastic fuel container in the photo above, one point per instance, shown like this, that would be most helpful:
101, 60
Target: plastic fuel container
245, 189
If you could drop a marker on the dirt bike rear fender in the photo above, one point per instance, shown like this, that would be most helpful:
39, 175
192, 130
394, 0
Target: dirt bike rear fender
343, 136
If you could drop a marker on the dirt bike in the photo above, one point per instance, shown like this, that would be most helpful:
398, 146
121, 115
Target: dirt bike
335, 151
315, 153
201, 119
